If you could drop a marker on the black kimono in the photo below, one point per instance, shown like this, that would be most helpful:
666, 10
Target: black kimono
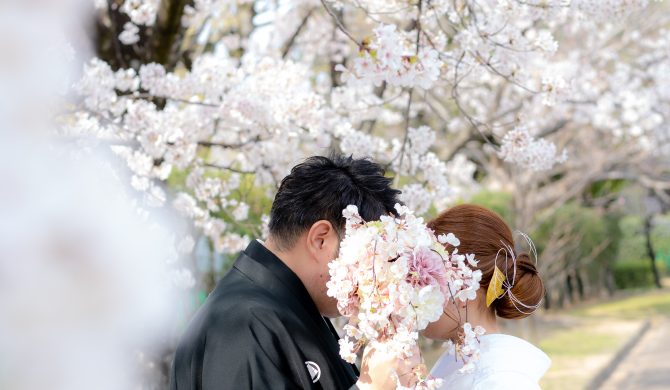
260, 329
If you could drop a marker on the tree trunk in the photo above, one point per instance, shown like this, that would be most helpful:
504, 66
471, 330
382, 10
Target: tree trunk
650, 250
569, 288
580, 285
166, 32
547, 300
609, 281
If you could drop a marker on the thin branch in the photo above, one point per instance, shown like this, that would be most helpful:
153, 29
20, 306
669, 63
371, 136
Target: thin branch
473, 122
553, 129
149, 96
418, 26
230, 146
506, 77
231, 169
303, 23
411, 91
339, 24
407, 121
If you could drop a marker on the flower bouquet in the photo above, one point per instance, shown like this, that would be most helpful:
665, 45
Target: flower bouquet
392, 278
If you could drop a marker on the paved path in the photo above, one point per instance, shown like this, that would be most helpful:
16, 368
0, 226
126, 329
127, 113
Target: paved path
647, 366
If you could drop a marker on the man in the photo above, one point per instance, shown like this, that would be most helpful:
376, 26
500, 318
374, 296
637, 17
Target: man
263, 326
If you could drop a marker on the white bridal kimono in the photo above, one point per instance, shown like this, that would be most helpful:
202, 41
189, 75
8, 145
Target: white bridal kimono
506, 363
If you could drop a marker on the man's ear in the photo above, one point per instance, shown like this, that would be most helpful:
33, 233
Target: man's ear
320, 242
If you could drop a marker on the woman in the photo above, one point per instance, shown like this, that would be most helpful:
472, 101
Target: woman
506, 362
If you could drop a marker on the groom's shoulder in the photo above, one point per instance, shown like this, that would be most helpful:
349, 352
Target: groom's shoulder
236, 301
225, 327
229, 314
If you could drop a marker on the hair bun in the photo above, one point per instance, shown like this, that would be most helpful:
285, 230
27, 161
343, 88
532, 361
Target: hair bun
485, 234
527, 289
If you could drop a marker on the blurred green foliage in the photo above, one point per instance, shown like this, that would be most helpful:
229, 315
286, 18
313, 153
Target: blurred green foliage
602, 245
605, 187
601, 241
211, 265
258, 198
632, 268
593, 241
633, 236
589, 228
634, 273
500, 202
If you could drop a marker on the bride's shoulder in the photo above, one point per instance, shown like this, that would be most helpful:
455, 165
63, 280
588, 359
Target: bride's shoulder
509, 362
510, 353
506, 362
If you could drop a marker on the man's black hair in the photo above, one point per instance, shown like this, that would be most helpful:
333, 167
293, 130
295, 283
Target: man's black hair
320, 187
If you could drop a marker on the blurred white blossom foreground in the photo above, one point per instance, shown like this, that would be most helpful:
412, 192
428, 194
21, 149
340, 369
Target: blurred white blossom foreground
84, 273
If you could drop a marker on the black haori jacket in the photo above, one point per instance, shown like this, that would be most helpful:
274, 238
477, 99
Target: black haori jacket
259, 329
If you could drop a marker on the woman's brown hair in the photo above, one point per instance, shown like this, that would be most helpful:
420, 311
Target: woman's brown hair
485, 233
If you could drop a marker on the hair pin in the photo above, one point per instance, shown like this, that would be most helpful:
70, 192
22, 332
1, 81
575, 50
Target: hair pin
495, 289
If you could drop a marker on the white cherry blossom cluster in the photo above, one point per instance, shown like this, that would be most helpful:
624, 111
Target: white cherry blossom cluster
243, 115
246, 116
392, 278
388, 58
520, 147
433, 181
554, 89
141, 12
130, 34
465, 286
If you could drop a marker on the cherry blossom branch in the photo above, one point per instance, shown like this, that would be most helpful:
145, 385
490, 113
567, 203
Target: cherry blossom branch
301, 26
231, 169
230, 146
379, 92
411, 92
339, 24
553, 129
438, 21
418, 26
543, 5
372, 105
506, 77
454, 94
488, 37
174, 99
407, 122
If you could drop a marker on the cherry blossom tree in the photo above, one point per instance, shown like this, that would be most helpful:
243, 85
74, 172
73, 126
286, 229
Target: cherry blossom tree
210, 102
540, 97
439, 91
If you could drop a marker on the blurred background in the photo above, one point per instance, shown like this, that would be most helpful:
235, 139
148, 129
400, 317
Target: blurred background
142, 142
